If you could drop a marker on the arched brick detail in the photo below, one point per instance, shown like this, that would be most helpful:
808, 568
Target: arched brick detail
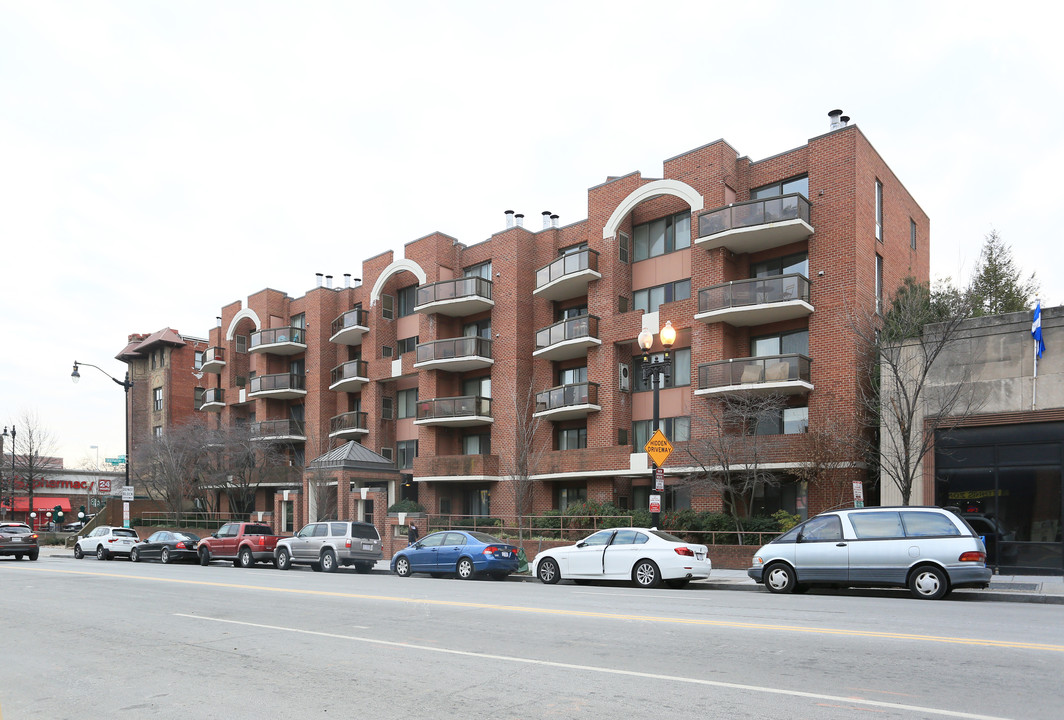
647, 192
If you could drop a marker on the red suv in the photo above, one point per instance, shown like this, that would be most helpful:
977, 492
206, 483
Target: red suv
17, 539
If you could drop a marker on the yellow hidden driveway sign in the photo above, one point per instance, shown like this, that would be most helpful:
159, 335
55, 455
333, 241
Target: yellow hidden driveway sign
658, 447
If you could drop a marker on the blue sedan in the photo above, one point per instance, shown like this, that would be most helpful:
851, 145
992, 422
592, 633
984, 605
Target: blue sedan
459, 553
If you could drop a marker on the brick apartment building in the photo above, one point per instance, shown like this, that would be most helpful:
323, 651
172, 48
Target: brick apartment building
427, 360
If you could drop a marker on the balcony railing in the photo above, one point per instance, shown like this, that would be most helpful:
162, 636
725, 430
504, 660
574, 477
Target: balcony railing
457, 354
350, 376
457, 297
213, 399
284, 385
456, 411
348, 424
568, 276
756, 224
568, 339
213, 360
568, 401
756, 301
778, 373
279, 341
349, 327
279, 430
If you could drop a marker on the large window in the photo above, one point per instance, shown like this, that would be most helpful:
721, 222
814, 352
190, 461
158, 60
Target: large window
571, 495
788, 343
478, 387
571, 438
198, 362
407, 401
572, 376
407, 298
483, 270
406, 451
157, 399
786, 265
476, 444
661, 236
650, 299
787, 421
795, 185
679, 377
405, 345
480, 328
676, 429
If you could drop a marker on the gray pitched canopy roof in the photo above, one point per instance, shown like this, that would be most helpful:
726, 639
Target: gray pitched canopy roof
352, 456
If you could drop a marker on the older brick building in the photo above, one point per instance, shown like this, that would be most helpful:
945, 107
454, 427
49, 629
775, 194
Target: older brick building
428, 359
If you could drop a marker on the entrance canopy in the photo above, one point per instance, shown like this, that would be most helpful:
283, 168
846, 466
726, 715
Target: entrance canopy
42, 503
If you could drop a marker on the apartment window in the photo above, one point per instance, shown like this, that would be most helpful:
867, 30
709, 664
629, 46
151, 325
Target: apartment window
650, 299
241, 342
476, 444
157, 432
786, 265
572, 249
407, 344
387, 453
407, 298
387, 307
153, 361
406, 451
480, 387
481, 328
661, 236
571, 495
387, 408
676, 429
623, 245
387, 351
198, 362
299, 321
571, 438
407, 401
879, 211
879, 283
483, 270
572, 376
912, 233
157, 399
679, 377
622, 304
787, 343
197, 396
787, 421
786, 187
445, 506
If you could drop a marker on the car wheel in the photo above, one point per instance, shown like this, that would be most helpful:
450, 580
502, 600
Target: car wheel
646, 574
780, 578
548, 571
928, 582
677, 583
78, 552
464, 569
328, 561
315, 566
245, 558
284, 560
101, 554
402, 567
164, 556
33, 555
204, 557
134, 555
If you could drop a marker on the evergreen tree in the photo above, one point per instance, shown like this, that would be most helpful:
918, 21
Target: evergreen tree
996, 285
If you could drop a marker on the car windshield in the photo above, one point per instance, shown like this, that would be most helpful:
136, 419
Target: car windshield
124, 532
485, 538
186, 536
364, 532
257, 530
15, 530
665, 536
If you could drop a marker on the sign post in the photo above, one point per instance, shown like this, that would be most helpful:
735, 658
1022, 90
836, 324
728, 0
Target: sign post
127, 497
858, 493
658, 448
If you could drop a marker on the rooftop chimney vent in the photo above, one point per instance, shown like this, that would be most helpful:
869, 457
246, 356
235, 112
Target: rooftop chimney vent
509, 219
319, 276
519, 218
546, 219
554, 221
835, 123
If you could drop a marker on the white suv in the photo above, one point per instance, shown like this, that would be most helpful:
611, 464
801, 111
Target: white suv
105, 542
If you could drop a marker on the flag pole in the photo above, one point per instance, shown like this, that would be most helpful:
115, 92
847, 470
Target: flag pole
1036, 325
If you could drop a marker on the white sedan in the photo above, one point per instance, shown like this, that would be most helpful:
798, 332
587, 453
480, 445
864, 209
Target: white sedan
644, 556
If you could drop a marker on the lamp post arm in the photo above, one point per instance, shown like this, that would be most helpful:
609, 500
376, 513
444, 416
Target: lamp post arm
124, 384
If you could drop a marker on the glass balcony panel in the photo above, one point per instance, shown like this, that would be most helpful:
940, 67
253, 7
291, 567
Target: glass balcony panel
754, 213
567, 265
454, 407
754, 371
278, 335
352, 318
567, 396
352, 369
572, 329
756, 291
283, 381
349, 421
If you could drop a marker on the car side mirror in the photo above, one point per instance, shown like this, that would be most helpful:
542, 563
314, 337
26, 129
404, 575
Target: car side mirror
214, 535
581, 544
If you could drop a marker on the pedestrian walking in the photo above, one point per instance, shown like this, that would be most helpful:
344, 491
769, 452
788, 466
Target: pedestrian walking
412, 533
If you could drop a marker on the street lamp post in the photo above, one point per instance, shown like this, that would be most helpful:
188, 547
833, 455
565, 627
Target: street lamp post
126, 385
12, 496
652, 371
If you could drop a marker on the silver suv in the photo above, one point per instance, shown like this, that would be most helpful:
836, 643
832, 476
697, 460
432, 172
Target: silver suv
327, 545
927, 549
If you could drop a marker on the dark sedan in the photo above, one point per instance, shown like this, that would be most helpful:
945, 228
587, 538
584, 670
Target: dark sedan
459, 553
19, 540
166, 546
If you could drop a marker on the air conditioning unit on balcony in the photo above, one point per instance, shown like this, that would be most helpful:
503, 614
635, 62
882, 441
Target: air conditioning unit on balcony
624, 377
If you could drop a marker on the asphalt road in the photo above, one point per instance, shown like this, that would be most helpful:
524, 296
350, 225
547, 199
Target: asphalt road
90, 639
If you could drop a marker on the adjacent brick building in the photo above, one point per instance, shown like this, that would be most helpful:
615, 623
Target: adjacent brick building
430, 359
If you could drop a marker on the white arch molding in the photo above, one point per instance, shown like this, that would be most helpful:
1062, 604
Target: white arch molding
398, 266
647, 192
245, 313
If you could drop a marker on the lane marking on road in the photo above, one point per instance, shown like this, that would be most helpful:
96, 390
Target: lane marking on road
982, 642
820, 698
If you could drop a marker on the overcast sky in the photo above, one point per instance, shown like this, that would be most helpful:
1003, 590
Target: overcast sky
159, 160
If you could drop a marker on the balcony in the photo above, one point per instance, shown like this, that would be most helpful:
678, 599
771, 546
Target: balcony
784, 374
285, 386
457, 298
464, 411
568, 339
568, 402
350, 376
279, 430
756, 225
755, 302
349, 327
455, 354
213, 360
568, 276
349, 425
279, 341
213, 400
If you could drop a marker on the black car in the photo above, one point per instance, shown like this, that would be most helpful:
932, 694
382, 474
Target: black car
19, 540
166, 546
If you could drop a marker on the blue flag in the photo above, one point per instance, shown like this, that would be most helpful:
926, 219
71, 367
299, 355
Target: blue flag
1036, 328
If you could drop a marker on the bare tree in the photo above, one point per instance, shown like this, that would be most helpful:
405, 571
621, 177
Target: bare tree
903, 407
235, 462
519, 467
829, 448
729, 452
168, 465
34, 453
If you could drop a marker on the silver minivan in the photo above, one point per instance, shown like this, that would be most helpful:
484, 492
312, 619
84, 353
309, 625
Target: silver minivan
927, 549
328, 544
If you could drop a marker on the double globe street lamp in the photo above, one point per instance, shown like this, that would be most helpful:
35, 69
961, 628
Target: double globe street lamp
654, 371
